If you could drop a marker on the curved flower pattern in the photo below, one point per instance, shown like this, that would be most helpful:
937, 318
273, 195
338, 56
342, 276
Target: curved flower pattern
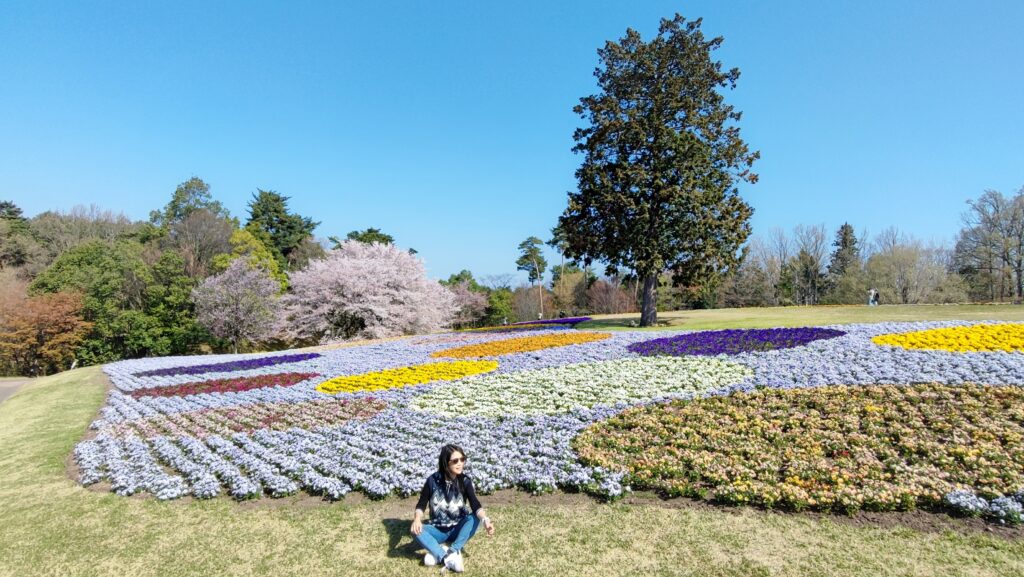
225, 385
226, 422
560, 389
841, 448
520, 345
406, 376
972, 339
733, 341
242, 365
276, 440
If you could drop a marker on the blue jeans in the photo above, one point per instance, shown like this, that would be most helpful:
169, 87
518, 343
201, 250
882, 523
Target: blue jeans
432, 537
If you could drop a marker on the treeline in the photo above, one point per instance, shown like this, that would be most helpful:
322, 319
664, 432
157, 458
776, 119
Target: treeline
91, 286
985, 263
809, 266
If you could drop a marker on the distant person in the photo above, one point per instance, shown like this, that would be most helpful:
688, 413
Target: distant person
455, 512
873, 297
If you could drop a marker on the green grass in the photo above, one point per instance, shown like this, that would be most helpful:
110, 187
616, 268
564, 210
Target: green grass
768, 317
51, 526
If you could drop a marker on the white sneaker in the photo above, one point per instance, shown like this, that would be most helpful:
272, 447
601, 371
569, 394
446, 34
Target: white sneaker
429, 560
454, 562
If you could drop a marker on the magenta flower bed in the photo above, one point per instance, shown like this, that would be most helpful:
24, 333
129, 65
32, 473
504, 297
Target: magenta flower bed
243, 365
235, 385
733, 341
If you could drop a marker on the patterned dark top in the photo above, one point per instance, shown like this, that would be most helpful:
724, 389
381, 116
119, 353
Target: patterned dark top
449, 501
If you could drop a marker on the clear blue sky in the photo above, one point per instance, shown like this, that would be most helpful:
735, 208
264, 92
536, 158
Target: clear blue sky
449, 124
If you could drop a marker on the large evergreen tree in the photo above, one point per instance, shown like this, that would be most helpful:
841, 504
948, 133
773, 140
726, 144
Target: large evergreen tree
846, 283
662, 156
280, 230
847, 253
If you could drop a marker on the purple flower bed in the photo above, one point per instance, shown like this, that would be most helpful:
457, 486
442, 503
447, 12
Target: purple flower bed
232, 366
733, 341
566, 321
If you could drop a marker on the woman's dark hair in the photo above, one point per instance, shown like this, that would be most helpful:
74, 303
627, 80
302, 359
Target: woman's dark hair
446, 454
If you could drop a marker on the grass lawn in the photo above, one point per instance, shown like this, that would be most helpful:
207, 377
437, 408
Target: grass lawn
767, 317
49, 525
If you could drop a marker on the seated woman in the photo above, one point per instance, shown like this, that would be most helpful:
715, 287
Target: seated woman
455, 512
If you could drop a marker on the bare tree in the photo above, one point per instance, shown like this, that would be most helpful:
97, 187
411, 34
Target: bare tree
809, 267
607, 296
200, 237
498, 281
990, 246
907, 271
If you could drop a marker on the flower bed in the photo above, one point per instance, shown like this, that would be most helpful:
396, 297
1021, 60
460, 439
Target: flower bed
227, 421
831, 448
733, 341
242, 365
972, 339
225, 385
278, 440
516, 328
520, 345
564, 321
561, 389
406, 376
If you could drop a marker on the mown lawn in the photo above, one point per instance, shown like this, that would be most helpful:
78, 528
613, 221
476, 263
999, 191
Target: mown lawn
51, 526
768, 317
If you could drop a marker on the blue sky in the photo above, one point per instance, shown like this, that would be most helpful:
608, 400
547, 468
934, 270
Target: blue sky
449, 124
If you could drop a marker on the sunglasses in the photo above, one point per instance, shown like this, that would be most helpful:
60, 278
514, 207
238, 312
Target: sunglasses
456, 460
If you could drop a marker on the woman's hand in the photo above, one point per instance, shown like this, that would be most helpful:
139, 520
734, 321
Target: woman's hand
417, 526
489, 527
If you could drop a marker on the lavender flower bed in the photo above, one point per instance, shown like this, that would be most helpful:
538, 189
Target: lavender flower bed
138, 449
733, 341
231, 366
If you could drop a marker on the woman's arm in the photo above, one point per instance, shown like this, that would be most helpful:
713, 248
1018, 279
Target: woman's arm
417, 522
421, 507
478, 508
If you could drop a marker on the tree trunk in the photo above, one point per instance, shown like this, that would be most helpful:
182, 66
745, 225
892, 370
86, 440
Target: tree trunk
649, 309
540, 298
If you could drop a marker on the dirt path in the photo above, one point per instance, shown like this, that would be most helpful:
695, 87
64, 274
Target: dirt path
9, 386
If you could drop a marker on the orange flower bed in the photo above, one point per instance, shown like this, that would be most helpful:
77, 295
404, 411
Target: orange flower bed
520, 345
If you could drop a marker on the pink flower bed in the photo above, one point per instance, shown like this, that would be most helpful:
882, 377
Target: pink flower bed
225, 385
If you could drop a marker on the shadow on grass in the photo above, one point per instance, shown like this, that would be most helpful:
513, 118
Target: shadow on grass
397, 529
630, 323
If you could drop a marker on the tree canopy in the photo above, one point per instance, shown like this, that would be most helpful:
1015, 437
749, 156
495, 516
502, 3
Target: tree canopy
368, 236
662, 157
189, 196
280, 230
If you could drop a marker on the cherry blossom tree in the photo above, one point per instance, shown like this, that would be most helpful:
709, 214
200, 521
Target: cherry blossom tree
366, 291
239, 304
471, 306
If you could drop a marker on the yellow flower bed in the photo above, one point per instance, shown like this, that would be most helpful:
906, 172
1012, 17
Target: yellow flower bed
520, 345
973, 339
406, 376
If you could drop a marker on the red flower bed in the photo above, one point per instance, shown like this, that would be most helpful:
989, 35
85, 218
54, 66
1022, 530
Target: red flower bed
225, 385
